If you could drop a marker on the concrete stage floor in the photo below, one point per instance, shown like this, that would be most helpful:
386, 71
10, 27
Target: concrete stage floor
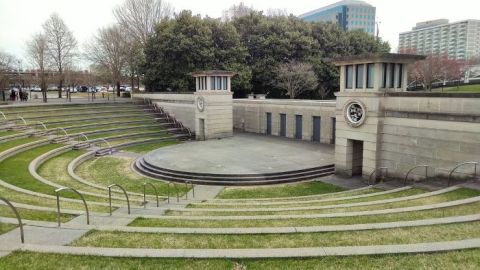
243, 154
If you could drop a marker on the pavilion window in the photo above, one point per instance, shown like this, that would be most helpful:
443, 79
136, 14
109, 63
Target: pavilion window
392, 75
370, 75
400, 76
349, 77
360, 71
219, 83
225, 83
385, 72
212, 83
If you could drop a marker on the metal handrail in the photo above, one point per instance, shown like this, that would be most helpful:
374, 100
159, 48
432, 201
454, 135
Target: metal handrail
409, 171
81, 135
57, 191
460, 165
145, 194
43, 125
24, 122
110, 196
168, 192
4, 117
375, 171
64, 131
17, 215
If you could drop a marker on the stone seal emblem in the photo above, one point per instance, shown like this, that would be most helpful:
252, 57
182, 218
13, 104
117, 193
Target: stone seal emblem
355, 113
200, 104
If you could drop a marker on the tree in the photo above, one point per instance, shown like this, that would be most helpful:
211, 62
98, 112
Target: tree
61, 45
108, 52
296, 78
7, 67
436, 68
37, 54
139, 17
237, 11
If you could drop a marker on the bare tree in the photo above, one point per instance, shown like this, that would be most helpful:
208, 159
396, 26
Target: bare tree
296, 78
275, 12
436, 68
108, 52
139, 17
237, 11
61, 45
7, 67
37, 54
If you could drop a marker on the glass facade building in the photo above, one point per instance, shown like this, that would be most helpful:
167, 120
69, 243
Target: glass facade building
459, 40
348, 14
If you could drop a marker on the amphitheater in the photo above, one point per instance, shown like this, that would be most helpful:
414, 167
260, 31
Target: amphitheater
77, 193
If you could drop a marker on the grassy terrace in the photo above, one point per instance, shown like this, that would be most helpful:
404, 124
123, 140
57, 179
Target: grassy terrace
468, 259
55, 170
4, 146
127, 132
468, 209
33, 214
14, 170
145, 148
102, 170
75, 118
403, 193
114, 121
6, 228
288, 190
350, 238
459, 194
7, 133
475, 88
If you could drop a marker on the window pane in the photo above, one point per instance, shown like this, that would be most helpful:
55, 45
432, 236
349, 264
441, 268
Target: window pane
219, 83
400, 76
212, 82
349, 77
392, 75
370, 75
359, 76
385, 72
225, 83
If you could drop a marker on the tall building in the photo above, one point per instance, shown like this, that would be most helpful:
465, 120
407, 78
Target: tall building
460, 40
348, 14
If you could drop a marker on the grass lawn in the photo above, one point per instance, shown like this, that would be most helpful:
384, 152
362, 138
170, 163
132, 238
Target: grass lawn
145, 148
403, 193
467, 209
459, 194
6, 227
408, 235
474, 88
287, 190
34, 215
467, 260
10, 144
104, 170
7, 133
55, 170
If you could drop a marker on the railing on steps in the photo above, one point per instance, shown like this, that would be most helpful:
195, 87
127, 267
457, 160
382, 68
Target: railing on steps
168, 192
374, 172
17, 215
412, 169
474, 163
110, 196
145, 194
57, 191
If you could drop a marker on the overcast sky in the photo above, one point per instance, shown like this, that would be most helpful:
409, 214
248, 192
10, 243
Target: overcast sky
19, 19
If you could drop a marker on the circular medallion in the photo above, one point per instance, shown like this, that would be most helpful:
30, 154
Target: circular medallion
355, 113
200, 104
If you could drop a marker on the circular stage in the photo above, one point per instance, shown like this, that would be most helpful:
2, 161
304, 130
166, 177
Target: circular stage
244, 159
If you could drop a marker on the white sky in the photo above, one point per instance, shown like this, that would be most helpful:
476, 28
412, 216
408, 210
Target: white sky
19, 19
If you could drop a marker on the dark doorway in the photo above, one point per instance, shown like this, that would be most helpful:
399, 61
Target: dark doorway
316, 128
269, 123
357, 157
283, 125
298, 127
334, 127
201, 128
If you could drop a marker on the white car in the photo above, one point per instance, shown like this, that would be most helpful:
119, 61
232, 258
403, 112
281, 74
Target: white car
36, 89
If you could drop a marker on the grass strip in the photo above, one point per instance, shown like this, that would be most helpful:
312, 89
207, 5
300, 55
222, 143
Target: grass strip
6, 228
467, 209
5, 211
462, 193
408, 235
465, 259
7, 133
145, 148
4, 146
287, 190
102, 170
403, 193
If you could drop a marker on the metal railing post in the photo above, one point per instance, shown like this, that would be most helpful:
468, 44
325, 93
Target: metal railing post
409, 171
474, 163
57, 191
145, 194
110, 196
17, 215
375, 171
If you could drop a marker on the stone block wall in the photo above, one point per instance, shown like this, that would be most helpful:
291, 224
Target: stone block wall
250, 115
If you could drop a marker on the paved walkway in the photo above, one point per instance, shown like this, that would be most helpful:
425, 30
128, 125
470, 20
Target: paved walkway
259, 253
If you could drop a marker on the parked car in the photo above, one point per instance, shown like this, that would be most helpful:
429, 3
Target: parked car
36, 88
